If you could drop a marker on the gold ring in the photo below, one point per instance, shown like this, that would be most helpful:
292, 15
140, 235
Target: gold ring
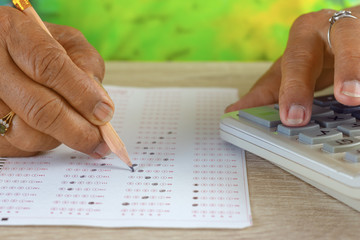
5, 122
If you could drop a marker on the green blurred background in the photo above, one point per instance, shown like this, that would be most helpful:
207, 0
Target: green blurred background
184, 30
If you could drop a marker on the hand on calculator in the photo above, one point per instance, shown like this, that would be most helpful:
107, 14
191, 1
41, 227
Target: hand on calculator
309, 64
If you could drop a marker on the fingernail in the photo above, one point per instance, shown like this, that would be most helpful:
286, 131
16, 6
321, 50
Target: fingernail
351, 88
102, 150
296, 114
103, 112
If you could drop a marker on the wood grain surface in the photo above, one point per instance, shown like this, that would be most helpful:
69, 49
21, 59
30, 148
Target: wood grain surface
283, 207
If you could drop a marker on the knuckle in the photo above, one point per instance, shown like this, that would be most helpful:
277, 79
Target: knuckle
292, 86
73, 32
67, 34
324, 12
304, 19
311, 20
83, 91
45, 116
297, 59
308, 21
48, 65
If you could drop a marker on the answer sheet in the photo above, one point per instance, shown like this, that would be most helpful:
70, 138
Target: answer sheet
185, 175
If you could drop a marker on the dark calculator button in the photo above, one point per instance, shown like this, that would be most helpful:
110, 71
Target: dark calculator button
356, 115
325, 101
318, 111
340, 108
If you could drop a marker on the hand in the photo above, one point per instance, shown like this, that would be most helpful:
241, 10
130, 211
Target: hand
309, 64
54, 87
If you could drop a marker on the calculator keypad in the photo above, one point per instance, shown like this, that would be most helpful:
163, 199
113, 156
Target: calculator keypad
333, 125
319, 136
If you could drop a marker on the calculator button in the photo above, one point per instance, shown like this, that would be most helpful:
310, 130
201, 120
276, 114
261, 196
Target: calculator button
340, 108
353, 156
356, 115
335, 120
320, 136
325, 101
318, 111
265, 115
341, 145
351, 130
291, 131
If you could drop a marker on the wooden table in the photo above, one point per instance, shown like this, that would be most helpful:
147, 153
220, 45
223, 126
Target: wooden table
283, 207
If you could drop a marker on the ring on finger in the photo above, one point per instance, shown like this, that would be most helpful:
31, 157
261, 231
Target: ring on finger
337, 16
5, 123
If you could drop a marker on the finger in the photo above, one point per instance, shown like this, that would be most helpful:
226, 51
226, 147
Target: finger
45, 111
8, 150
264, 92
44, 60
345, 46
25, 138
81, 52
301, 65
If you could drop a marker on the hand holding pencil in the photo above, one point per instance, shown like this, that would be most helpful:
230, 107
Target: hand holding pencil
51, 85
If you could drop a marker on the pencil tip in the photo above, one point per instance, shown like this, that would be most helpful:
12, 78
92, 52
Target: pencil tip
132, 169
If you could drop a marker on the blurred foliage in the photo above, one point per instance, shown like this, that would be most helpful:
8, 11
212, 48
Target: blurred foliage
184, 30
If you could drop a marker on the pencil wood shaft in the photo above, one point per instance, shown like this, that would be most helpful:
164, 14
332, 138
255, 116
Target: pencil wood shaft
30, 12
115, 143
108, 133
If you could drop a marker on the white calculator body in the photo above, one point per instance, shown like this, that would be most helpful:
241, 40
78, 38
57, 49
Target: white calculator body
325, 153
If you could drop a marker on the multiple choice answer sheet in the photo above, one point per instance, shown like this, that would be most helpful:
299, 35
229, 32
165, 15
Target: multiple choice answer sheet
185, 175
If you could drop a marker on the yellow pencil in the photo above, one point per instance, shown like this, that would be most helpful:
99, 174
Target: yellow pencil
107, 131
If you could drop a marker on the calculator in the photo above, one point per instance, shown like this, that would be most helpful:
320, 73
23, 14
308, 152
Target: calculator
325, 153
